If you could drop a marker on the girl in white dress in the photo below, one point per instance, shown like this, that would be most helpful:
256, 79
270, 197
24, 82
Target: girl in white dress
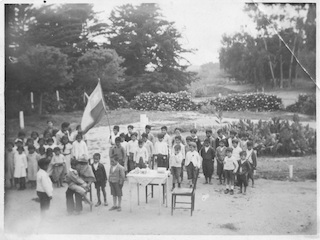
20, 167
79, 148
33, 157
66, 150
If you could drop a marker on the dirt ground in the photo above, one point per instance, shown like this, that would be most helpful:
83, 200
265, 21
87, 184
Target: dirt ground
287, 208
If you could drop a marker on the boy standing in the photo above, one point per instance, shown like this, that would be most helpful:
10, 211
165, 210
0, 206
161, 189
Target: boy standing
220, 155
114, 135
118, 151
141, 155
149, 134
149, 146
252, 160
230, 168
207, 153
101, 178
161, 152
131, 149
210, 138
193, 163
116, 180
195, 138
44, 185
243, 170
128, 137
175, 163
166, 137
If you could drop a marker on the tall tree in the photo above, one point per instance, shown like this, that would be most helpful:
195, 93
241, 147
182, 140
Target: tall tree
150, 45
44, 69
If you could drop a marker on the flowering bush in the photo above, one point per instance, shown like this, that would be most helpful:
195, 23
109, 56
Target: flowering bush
180, 101
306, 104
251, 101
115, 100
278, 137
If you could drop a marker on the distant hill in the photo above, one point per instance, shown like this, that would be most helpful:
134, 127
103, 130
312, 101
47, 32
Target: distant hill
194, 68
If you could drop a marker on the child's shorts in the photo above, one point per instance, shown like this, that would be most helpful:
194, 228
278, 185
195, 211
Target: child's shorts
116, 189
242, 179
100, 185
190, 171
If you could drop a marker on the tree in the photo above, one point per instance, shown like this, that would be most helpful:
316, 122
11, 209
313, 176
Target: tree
103, 64
150, 45
44, 69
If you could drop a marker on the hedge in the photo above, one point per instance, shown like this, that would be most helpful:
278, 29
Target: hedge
306, 104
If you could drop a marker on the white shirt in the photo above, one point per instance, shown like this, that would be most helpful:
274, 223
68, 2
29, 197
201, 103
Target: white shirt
230, 163
161, 148
149, 146
95, 166
176, 160
193, 157
113, 137
132, 146
236, 152
20, 165
167, 140
44, 183
141, 153
183, 150
79, 149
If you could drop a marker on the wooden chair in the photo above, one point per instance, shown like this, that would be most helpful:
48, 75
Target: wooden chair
184, 192
151, 184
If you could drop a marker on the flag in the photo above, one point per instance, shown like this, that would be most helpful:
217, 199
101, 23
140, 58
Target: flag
94, 110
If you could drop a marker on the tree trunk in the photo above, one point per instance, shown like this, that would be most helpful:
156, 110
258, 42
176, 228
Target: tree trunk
269, 59
291, 61
40, 104
281, 72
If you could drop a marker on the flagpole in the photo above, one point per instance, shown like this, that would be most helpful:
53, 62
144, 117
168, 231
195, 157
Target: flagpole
104, 106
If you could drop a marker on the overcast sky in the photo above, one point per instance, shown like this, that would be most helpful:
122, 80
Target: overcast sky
201, 23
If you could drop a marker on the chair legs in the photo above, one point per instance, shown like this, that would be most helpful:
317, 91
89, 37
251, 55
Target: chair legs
147, 194
172, 197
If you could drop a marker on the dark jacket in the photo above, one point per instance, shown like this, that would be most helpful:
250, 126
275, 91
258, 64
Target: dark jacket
245, 167
100, 173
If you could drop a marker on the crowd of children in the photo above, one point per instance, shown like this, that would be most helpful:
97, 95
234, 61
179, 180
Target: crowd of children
54, 158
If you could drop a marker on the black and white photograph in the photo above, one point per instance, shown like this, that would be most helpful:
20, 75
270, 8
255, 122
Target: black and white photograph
163, 118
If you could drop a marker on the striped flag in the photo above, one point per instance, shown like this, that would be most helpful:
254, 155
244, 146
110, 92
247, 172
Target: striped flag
94, 110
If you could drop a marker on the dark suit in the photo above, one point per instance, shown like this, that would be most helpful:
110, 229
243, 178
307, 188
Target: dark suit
101, 175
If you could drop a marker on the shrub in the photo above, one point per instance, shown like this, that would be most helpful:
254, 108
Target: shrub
180, 101
115, 100
306, 104
251, 101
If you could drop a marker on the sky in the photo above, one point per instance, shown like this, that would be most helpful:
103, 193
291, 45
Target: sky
201, 23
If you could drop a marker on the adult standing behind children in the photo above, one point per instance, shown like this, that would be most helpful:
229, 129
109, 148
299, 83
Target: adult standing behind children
62, 132
128, 137
150, 136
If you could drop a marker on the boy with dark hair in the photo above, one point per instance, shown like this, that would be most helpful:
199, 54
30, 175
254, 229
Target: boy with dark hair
101, 178
149, 146
230, 167
243, 170
193, 163
63, 131
114, 135
166, 137
175, 164
118, 151
44, 185
207, 153
252, 160
141, 155
149, 134
161, 152
116, 180
233, 136
128, 137
131, 149
220, 155
195, 138
212, 142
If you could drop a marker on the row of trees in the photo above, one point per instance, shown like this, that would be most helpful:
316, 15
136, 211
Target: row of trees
264, 59
55, 46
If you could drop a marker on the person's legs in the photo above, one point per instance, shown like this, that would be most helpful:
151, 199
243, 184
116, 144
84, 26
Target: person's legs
103, 189
78, 199
178, 174
231, 181
70, 200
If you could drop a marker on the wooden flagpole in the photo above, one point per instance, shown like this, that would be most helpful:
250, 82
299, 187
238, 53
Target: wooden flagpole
104, 106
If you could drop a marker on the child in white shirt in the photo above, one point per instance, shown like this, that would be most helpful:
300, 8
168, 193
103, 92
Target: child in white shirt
161, 152
149, 146
193, 163
79, 148
114, 135
141, 155
131, 149
230, 168
175, 163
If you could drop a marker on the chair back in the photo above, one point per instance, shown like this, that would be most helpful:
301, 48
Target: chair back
195, 182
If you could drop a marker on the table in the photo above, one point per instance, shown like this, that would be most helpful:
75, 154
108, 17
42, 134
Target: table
152, 176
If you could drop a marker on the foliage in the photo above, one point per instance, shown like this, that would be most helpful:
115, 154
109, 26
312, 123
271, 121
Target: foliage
306, 104
151, 48
103, 64
251, 101
44, 68
115, 100
180, 101
279, 137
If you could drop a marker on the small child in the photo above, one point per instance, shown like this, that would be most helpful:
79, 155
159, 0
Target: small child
79, 147
66, 151
58, 163
30, 143
77, 184
35, 137
141, 155
10, 163
220, 155
101, 178
124, 144
44, 185
41, 143
187, 149
177, 132
131, 149
50, 144
118, 151
230, 167
232, 137
161, 152
252, 160
210, 138
175, 163
116, 180
236, 149
195, 138
149, 146
193, 163
42, 152
219, 138
20, 167
207, 153
32, 159
243, 170
128, 136
114, 135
